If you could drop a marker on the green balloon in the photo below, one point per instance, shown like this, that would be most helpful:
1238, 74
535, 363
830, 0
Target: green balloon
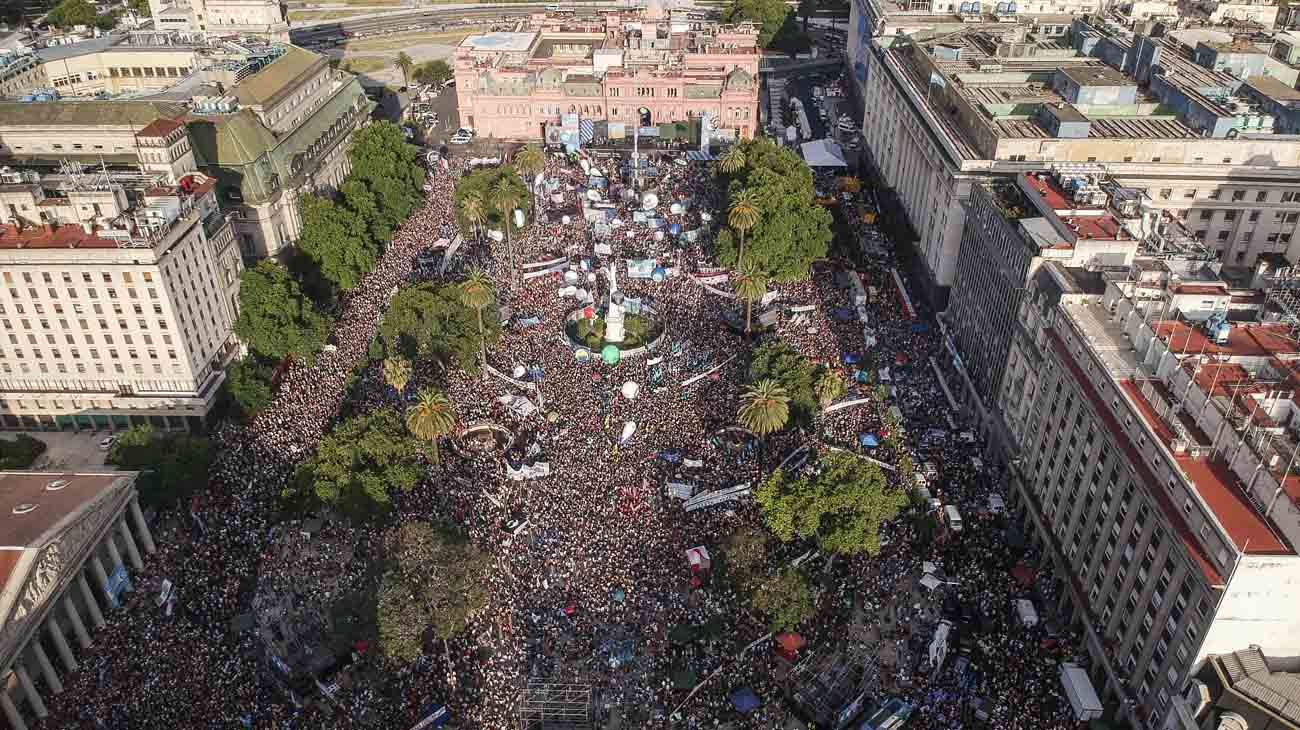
611, 354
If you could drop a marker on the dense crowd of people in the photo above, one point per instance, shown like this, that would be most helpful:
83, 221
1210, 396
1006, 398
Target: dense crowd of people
590, 582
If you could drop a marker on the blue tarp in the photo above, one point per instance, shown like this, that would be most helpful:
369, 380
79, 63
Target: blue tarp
920, 327
850, 358
868, 440
745, 701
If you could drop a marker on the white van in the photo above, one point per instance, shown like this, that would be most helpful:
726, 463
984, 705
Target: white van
953, 517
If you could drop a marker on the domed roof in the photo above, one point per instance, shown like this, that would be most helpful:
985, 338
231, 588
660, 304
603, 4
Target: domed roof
739, 78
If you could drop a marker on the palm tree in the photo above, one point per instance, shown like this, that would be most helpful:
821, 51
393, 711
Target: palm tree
830, 386
732, 161
397, 372
530, 161
505, 198
743, 216
751, 286
474, 211
405, 64
476, 293
431, 418
766, 407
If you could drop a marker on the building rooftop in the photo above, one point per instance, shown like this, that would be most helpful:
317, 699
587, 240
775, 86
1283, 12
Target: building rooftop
87, 113
501, 42
50, 237
1096, 76
55, 497
279, 77
1246, 684
1245, 341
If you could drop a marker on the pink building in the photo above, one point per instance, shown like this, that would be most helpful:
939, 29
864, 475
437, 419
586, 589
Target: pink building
638, 68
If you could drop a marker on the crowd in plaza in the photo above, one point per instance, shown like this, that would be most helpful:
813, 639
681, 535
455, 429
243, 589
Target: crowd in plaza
595, 588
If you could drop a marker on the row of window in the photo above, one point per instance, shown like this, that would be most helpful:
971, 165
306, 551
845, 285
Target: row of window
62, 369
86, 277
90, 339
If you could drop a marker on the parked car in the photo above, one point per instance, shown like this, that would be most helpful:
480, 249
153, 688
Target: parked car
107, 442
462, 136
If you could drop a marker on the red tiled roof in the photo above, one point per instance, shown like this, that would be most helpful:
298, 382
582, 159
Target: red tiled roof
160, 128
1251, 340
1248, 529
1217, 376
69, 236
1200, 289
1121, 439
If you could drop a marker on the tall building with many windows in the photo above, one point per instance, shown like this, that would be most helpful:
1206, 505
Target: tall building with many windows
117, 305
1154, 462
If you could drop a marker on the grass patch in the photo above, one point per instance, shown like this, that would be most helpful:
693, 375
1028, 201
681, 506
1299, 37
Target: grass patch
365, 65
402, 41
637, 331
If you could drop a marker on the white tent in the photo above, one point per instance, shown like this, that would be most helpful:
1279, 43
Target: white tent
823, 153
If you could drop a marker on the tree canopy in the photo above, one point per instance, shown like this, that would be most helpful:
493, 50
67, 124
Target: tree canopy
428, 320
769, 15
386, 182
792, 231
336, 238
785, 598
488, 184
249, 384
840, 504
437, 71
20, 452
276, 319
172, 466
745, 555
71, 13
433, 583
795, 373
360, 465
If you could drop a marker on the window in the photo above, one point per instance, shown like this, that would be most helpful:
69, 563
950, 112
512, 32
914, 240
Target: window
1206, 215
1223, 235
1229, 216
1261, 196
1238, 195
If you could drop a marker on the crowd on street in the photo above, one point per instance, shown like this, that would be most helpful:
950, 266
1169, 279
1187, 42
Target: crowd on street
590, 582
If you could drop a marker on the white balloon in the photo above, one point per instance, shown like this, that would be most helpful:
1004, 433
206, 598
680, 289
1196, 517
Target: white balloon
631, 389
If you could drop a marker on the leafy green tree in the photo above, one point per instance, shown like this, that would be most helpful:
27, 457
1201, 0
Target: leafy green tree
387, 167
427, 320
792, 230
397, 373
433, 583
745, 553
751, 286
249, 383
434, 72
360, 465
765, 407
172, 466
473, 211
276, 319
795, 373
139, 7
70, 13
906, 469
785, 598
335, 239
769, 15
406, 65
830, 387
476, 293
431, 418
20, 452
840, 506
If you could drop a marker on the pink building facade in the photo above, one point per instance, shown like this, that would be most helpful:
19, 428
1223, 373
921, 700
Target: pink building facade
627, 67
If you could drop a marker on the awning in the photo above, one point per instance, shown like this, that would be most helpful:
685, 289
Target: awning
744, 700
698, 156
823, 153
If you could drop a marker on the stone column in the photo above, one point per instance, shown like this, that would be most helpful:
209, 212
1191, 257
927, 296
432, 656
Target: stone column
92, 602
83, 638
97, 565
141, 526
61, 644
113, 554
11, 712
33, 697
47, 669
131, 551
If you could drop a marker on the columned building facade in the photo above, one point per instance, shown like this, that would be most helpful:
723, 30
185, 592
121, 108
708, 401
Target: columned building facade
68, 546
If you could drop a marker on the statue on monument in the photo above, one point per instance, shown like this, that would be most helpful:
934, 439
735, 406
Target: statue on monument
614, 315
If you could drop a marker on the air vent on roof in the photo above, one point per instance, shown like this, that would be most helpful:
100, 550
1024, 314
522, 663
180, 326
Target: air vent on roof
56, 485
24, 508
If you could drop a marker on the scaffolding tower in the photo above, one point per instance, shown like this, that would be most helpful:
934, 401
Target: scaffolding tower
1284, 295
829, 690
552, 706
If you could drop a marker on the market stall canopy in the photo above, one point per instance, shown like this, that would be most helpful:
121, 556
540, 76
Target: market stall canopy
823, 153
744, 700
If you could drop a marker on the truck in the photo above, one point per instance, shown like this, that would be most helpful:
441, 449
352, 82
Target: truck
1078, 688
